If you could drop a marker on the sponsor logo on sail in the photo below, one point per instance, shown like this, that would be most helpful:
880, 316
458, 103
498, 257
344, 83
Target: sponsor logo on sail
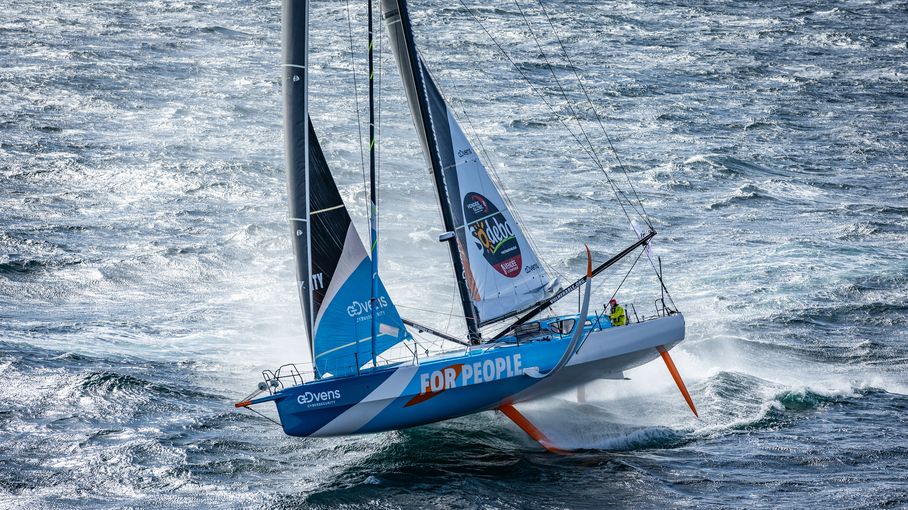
358, 308
492, 234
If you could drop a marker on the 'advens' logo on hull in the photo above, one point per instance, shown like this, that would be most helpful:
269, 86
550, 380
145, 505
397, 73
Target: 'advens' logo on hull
492, 234
317, 399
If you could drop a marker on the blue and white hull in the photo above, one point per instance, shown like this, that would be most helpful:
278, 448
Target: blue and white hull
469, 381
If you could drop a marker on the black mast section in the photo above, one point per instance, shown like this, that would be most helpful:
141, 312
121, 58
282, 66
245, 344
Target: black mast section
397, 20
295, 27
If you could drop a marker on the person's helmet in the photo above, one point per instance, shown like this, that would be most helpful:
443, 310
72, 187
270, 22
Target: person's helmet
613, 302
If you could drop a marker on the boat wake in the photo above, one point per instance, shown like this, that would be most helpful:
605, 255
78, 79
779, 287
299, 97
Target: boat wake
629, 416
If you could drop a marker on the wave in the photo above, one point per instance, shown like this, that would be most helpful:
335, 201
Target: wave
645, 438
788, 406
111, 386
488, 447
527, 124
24, 255
29, 266
846, 313
729, 166
895, 210
229, 32
113, 383
807, 400
747, 194
861, 230
739, 402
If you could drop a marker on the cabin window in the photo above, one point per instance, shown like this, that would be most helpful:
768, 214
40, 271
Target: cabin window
525, 331
563, 326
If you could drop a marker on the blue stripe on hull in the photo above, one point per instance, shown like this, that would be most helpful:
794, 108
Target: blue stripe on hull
298, 421
441, 389
451, 403
307, 408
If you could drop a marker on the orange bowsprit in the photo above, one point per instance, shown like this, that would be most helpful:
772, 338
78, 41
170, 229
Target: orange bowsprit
677, 377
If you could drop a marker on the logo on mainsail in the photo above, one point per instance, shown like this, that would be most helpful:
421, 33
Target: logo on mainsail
493, 234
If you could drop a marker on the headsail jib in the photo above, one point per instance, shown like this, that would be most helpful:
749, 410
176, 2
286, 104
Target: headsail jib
498, 272
503, 271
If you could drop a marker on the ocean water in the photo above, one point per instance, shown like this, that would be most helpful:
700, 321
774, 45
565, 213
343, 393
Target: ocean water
146, 276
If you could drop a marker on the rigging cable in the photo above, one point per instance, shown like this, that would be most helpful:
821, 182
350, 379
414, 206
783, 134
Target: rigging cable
596, 113
627, 274
591, 151
249, 408
564, 96
359, 123
451, 311
645, 215
378, 131
531, 238
494, 173
570, 105
549, 105
519, 217
429, 311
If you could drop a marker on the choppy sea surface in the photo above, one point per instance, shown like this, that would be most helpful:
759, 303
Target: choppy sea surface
146, 275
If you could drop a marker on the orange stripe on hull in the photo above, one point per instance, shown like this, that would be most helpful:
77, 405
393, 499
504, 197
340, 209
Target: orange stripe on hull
422, 397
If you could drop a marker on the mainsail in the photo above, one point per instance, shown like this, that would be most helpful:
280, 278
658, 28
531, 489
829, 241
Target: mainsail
333, 268
498, 272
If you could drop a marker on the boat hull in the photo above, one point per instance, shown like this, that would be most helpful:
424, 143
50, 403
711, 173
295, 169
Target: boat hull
479, 380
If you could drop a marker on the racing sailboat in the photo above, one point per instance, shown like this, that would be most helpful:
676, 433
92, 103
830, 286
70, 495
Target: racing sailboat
351, 387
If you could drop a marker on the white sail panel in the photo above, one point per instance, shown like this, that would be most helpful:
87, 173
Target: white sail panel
503, 272
496, 270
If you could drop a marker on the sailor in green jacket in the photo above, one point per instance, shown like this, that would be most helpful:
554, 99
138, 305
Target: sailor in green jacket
617, 315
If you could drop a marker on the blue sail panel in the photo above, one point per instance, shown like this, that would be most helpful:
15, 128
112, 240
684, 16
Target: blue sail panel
343, 327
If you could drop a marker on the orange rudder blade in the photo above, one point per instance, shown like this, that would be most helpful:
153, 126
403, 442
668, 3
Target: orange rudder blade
531, 430
677, 377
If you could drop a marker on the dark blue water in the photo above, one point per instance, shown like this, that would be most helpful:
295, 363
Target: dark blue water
146, 274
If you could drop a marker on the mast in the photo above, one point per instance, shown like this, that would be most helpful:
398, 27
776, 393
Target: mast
295, 28
348, 313
373, 214
397, 20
